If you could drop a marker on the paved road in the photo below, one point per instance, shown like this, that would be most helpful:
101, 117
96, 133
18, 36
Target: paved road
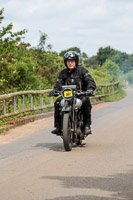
36, 167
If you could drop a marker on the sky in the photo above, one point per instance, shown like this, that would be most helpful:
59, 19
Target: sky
86, 24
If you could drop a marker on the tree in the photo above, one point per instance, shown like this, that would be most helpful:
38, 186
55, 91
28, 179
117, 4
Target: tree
1, 16
70, 49
119, 57
91, 62
17, 69
127, 64
84, 55
42, 43
111, 68
105, 53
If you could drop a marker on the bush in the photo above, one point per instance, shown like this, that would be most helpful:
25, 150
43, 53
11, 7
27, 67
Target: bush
111, 68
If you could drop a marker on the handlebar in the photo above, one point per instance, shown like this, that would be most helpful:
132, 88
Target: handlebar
56, 95
78, 93
85, 93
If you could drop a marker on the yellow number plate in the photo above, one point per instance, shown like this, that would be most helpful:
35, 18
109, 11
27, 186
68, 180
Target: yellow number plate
68, 94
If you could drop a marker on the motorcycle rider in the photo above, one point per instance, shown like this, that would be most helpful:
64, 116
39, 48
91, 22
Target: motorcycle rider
77, 75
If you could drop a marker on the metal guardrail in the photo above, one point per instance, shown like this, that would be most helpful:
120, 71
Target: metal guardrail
27, 101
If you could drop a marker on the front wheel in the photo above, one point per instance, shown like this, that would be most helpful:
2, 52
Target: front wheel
67, 132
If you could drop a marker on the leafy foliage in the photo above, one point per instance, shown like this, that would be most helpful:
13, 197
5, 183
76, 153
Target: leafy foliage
23, 68
104, 54
100, 77
124, 61
111, 68
127, 64
92, 62
10, 47
42, 46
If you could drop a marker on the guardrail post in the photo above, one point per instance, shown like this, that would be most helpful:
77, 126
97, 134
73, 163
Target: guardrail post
14, 104
23, 102
31, 103
102, 90
117, 85
108, 90
42, 102
4, 111
113, 88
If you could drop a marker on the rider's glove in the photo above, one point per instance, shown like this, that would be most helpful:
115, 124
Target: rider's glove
90, 92
52, 93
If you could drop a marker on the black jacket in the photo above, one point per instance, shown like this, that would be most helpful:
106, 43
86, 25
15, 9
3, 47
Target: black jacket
78, 76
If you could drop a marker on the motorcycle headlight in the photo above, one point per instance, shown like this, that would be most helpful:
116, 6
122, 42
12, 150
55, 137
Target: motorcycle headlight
67, 93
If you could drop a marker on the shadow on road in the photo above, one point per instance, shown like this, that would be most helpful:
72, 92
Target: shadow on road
58, 147
121, 186
82, 197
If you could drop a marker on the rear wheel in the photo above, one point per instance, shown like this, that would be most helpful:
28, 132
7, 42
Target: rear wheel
67, 132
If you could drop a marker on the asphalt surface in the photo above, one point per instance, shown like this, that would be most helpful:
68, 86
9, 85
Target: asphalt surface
36, 167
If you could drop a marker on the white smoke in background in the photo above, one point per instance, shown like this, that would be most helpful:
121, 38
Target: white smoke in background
127, 79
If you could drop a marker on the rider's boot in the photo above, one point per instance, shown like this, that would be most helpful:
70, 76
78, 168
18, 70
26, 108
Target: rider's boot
87, 129
56, 131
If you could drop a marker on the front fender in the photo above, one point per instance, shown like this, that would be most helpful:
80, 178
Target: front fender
66, 109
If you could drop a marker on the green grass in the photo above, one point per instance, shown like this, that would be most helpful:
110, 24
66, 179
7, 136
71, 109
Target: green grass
115, 97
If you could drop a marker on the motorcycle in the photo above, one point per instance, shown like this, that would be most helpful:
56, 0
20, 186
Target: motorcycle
72, 116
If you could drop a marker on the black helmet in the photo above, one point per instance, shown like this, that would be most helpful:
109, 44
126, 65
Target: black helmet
71, 55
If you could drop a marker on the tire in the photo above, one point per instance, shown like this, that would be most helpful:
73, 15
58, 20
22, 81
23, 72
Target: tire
67, 132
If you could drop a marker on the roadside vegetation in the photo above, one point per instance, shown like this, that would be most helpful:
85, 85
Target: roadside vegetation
23, 67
